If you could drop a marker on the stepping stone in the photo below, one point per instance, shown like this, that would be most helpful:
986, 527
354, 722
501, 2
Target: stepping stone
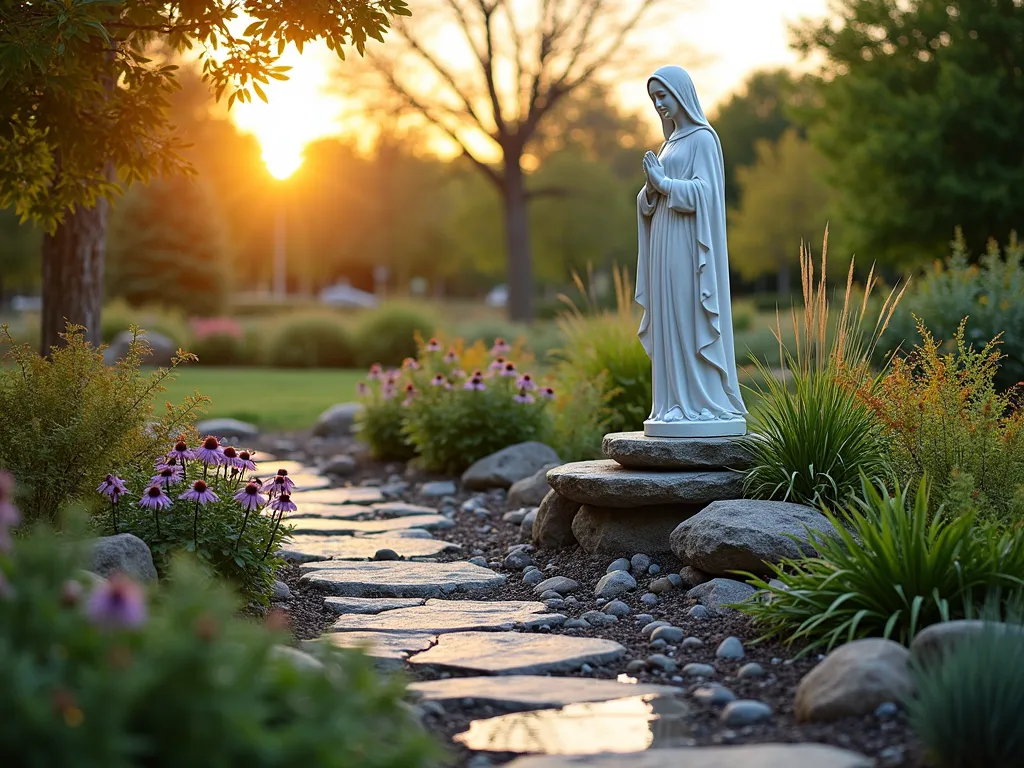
388, 649
747, 756
336, 511
309, 548
353, 495
401, 509
305, 482
609, 484
443, 616
370, 605
398, 578
512, 653
638, 451
324, 526
516, 693
623, 725
268, 465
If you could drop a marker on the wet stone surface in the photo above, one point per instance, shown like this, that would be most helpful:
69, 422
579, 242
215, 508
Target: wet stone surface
312, 548
511, 653
398, 578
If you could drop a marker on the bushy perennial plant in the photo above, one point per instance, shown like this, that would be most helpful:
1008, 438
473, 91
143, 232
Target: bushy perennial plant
68, 420
893, 570
104, 675
210, 501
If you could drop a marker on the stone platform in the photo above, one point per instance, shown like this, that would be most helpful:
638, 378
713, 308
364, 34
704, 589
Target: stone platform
632, 501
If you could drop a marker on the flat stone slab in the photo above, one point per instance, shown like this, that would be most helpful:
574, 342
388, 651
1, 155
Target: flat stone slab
305, 482
402, 509
399, 578
311, 548
516, 693
638, 451
443, 616
352, 495
326, 526
370, 605
387, 648
623, 725
608, 484
747, 756
515, 653
336, 511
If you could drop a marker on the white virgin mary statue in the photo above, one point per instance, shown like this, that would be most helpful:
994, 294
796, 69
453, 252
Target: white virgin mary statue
682, 278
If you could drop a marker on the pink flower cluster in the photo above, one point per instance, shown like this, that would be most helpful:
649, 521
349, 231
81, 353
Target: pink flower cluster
9, 515
203, 327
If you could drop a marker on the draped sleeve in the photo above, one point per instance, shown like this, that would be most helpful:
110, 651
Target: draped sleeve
647, 207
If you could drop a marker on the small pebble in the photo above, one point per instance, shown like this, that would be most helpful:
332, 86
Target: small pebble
676, 579
644, 618
531, 569
622, 564
550, 594
891, 756
649, 628
699, 612
479, 761
669, 634
433, 708
698, 670
484, 529
730, 648
515, 516
281, 592
659, 643
599, 619
677, 679
661, 586
483, 512
482, 562
636, 665
385, 554
494, 564
745, 712
469, 505
649, 599
693, 642
616, 608
571, 602
576, 624
532, 578
639, 563
517, 560
600, 601
554, 604
714, 695
653, 569
750, 671
550, 567
776, 660
886, 710
662, 662
586, 669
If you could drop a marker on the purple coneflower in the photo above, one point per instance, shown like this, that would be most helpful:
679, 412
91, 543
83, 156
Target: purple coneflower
547, 393
245, 462
362, 389
497, 364
280, 483
167, 475
117, 603
509, 370
201, 495
180, 452
375, 373
387, 391
410, 364
280, 505
231, 456
433, 346
523, 397
410, 393
250, 497
210, 454
438, 381
154, 498
451, 357
501, 347
113, 488
476, 383
526, 383
458, 373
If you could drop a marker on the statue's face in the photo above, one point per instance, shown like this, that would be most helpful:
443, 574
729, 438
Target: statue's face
664, 102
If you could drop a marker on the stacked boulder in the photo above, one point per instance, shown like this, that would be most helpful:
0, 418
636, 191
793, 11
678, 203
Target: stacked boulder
637, 497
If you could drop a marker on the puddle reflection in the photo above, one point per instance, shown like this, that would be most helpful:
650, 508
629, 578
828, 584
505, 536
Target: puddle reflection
623, 725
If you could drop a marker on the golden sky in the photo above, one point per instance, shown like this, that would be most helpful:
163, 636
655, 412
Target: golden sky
733, 37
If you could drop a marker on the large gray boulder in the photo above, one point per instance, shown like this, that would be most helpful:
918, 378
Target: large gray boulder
552, 527
931, 643
638, 451
337, 421
161, 348
228, 429
123, 553
609, 484
853, 680
613, 531
508, 466
716, 595
747, 535
530, 491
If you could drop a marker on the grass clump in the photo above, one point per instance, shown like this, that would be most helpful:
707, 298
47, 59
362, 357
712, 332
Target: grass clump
312, 341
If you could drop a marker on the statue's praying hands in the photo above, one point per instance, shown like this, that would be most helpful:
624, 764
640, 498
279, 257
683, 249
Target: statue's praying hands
656, 179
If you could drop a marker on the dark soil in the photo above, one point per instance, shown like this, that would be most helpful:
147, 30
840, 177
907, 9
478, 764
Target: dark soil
890, 741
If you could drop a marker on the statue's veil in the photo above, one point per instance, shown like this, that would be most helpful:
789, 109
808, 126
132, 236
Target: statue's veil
679, 83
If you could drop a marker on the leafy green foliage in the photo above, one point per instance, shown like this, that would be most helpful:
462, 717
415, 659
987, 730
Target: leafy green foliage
311, 341
990, 294
579, 420
602, 346
967, 703
119, 316
69, 420
914, 120
946, 419
380, 424
168, 246
193, 685
387, 336
894, 569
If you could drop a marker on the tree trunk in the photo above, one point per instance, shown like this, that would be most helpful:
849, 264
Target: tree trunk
517, 239
73, 274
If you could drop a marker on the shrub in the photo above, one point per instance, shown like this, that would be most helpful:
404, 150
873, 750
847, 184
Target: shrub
968, 702
890, 573
579, 420
228, 531
119, 316
104, 675
381, 421
991, 293
219, 341
311, 341
604, 344
454, 418
69, 420
388, 335
946, 418
811, 442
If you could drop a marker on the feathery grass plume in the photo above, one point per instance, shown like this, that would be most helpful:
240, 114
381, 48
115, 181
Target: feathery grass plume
810, 442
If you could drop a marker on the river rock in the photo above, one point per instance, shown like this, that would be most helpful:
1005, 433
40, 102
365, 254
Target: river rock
124, 553
161, 349
228, 430
563, 585
530, 491
853, 680
691, 577
745, 712
508, 466
337, 421
609, 484
341, 465
613, 584
614, 531
552, 528
636, 450
717, 594
747, 535
932, 642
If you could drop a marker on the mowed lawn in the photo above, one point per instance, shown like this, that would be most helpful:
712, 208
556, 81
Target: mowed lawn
274, 399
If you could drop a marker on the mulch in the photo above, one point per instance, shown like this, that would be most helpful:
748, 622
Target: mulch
891, 741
